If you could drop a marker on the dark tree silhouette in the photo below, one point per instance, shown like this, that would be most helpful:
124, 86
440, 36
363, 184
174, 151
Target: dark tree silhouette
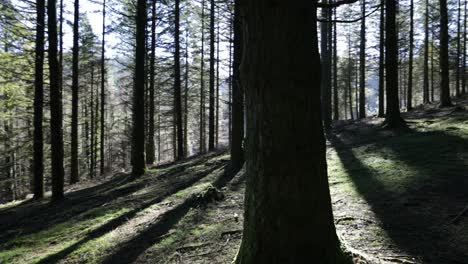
38, 159
281, 74
237, 150
445, 100
393, 119
177, 85
138, 107
74, 174
56, 131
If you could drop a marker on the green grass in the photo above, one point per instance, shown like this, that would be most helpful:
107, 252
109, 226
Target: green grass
33, 247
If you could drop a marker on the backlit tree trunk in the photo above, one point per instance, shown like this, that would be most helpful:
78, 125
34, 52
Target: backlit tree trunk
288, 216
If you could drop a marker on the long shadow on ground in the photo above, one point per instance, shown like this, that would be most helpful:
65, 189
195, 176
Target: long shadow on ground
32, 218
416, 216
111, 225
132, 249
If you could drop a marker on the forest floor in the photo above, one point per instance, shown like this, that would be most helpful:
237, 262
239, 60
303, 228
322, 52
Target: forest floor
397, 198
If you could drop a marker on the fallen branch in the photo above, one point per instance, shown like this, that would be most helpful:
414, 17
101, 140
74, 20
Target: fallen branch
192, 247
458, 218
231, 232
348, 218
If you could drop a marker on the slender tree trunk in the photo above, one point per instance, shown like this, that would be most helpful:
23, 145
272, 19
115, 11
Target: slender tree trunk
432, 69
393, 118
177, 85
186, 92
286, 170
56, 131
38, 159
464, 73
231, 36
350, 71
457, 61
326, 76
138, 131
202, 84
92, 167
74, 173
61, 45
409, 95
237, 148
426, 55
217, 79
381, 112
150, 148
445, 100
336, 110
103, 92
211, 117
362, 64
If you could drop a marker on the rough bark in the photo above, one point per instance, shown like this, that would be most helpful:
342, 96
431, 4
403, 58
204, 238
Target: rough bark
211, 117
426, 55
38, 156
150, 146
381, 112
409, 95
445, 100
393, 118
202, 140
336, 109
138, 107
103, 91
56, 130
287, 171
237, 149
74, 173
177, 85
362, 64
326, 74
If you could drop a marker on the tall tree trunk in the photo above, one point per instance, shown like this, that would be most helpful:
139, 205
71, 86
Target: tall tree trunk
38, 159
432, 68
74, 174
381, 112
237, 148
409, 95
177, 85
202, 84
426, 55
350, 71
286, 170
150, 148
336, 110
457, 61
103, 92
211, 117
56, 132
231, 36
463, 71
445, 100
362, 64
186, 91
217, 79
138, 131
92, 166
393, 118
326, 76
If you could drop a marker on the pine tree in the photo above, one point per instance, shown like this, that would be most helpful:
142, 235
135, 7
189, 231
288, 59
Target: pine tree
138, 133
74, 174
55, 105
286, 170
38, 160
